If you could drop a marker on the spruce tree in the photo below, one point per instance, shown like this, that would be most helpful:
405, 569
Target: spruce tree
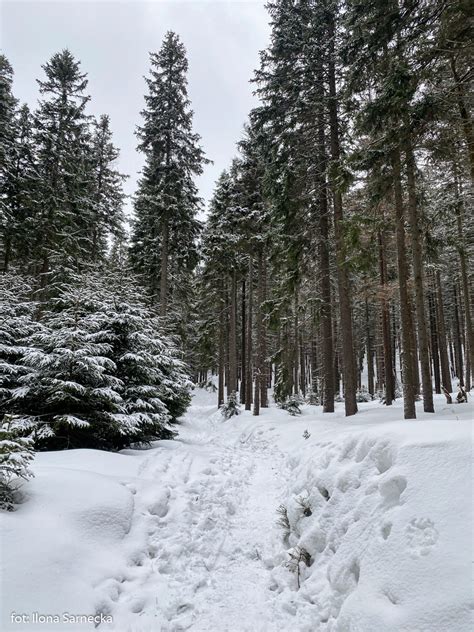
63, 213
107, 196
165, 229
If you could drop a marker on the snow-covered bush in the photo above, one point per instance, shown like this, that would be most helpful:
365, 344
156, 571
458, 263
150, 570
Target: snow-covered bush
292, 405
231, 407
16, 325
97, 372
363, 395
69, 396
155, 388
313, 398
16, 454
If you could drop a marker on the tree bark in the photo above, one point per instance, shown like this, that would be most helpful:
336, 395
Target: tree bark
442, 339
418, 273
232, 384
327, 348
370, 352
434, 343
249, 376
388, 366
345, 309
243, 388
405, 316
221, 367
164, 269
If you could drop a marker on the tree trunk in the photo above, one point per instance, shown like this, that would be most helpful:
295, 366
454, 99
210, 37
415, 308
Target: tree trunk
442, 339
264, 375
249, 376
243, 388
457, 339
388, 365
327, 348
418, 273
370, 352
164, 270
221, 362
407, 334
434, 343
259, 373
232, 385
345, 310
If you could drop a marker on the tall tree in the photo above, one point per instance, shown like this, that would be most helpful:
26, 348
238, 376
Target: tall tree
167, 201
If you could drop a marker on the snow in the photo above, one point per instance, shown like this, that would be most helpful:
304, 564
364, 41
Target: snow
185, 536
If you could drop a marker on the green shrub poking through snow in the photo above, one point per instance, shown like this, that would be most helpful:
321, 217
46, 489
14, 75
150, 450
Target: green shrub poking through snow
292, 405
231, 407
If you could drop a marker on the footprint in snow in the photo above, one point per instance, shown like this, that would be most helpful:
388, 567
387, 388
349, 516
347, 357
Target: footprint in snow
422, 536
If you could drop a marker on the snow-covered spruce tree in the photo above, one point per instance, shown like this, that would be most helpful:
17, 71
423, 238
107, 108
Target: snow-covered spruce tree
64, 212
165, 231
19, 185
7, 112
108, 195
154, 385
69, 396
231, 407
16, 326
16, 454
100, 373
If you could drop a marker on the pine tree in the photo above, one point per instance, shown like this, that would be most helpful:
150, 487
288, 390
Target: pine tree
7, 113
108, 196
166, 229
64, 209
69, 396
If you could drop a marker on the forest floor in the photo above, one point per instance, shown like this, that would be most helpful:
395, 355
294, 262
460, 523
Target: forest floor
184, 536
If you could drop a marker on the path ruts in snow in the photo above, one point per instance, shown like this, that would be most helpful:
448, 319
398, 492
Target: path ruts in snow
210, 513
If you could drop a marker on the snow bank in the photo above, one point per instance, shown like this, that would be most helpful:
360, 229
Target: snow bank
65, 536
386, 517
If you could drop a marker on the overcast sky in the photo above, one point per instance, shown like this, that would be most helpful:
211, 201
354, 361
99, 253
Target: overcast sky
112, 40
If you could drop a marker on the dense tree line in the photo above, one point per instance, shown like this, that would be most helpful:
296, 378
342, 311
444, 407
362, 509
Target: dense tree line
336, 254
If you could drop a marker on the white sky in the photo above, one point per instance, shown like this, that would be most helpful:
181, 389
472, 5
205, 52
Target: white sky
112, 40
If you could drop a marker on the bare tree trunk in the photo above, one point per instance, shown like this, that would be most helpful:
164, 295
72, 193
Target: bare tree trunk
464, 264
249, 376
345, 310
388, 366
243, 388
164, 269
232, 385
259, 379
418, 273
370, 352
264, 376
457, 339
434, 343
407, 334
221, 362
327, 347
442, 339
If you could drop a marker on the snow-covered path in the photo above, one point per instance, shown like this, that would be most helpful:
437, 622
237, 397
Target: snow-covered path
184, 536
215, 510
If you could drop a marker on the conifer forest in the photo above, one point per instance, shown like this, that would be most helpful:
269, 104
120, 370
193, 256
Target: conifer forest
306, 335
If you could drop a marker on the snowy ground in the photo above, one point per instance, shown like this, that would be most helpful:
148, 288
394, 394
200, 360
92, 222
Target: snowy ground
184, 535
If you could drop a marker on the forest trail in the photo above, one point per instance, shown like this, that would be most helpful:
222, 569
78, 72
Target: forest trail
211, 529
